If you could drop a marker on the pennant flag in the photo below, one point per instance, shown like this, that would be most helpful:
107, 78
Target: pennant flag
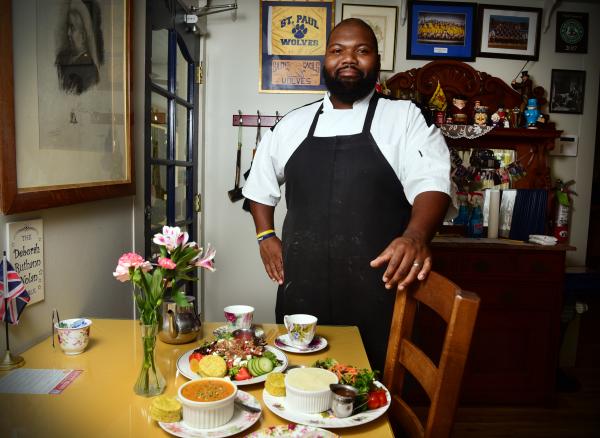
438, 100
13, 296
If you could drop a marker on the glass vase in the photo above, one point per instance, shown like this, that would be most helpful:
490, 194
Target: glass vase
150, 381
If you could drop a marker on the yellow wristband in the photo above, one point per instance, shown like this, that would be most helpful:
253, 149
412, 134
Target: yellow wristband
264, 233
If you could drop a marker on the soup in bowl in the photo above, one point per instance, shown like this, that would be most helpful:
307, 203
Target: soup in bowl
207, 402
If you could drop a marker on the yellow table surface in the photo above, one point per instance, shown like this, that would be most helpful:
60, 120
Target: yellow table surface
101, 401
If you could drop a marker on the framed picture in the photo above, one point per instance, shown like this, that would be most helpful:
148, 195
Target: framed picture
571, 32
383, 20
293, 39
65, 103
566, 91
509, 32
440, 30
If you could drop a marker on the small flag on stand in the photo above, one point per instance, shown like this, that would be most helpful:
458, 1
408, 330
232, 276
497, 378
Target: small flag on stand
13, 295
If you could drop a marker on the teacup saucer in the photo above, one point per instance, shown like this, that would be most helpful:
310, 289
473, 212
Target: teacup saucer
317, 344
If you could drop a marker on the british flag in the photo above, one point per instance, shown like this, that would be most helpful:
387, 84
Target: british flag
14, 299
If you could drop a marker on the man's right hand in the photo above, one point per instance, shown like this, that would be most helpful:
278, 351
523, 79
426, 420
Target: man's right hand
270, 252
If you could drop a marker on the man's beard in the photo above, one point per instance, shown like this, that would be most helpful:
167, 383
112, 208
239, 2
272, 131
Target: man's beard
349, 91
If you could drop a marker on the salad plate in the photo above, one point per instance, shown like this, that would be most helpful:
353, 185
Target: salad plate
183, 366
292, 431
278, 406
317, 344
224, 331
240, 421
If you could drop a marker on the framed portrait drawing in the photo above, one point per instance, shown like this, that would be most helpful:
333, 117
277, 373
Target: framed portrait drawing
509, 32
65, 92
440, 30
383, 20
566, 91
293, 39
571, 32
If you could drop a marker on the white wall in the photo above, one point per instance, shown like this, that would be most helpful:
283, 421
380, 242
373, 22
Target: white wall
81, 242
232, 84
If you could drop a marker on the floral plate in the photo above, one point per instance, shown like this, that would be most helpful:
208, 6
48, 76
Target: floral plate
292, 431
183, 366
317, 344
224, 330
278, 406
240, 421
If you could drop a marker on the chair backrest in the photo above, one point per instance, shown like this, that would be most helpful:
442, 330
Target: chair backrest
442, 382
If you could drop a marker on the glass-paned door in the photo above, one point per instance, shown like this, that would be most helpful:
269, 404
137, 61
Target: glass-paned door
171, 133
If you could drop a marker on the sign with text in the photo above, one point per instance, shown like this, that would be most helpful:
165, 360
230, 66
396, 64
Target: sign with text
25, 241
293, 41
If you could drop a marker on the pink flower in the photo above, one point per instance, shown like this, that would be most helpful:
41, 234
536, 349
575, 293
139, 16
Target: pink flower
127, 261
207, 261
171, 238
166, 263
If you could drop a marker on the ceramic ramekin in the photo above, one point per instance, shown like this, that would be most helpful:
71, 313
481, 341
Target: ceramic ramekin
309, 401
207, 415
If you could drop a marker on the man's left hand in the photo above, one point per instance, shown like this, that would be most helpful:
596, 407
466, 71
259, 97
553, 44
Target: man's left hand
408, 258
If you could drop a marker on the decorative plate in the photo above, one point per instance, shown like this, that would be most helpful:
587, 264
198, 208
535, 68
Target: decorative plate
240, 421
278, 406
224, 330
183, 366
292, 431
317, 344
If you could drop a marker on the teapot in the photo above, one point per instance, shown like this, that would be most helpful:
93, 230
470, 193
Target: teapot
179, 325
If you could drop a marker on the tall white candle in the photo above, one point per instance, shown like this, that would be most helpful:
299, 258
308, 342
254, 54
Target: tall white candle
494, 214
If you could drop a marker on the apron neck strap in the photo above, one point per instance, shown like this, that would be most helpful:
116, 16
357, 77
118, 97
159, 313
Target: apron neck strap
370, 113
313, 126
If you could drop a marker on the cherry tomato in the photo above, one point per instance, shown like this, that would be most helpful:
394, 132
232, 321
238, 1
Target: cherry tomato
243, 374
382, 397
373, 400
196, 355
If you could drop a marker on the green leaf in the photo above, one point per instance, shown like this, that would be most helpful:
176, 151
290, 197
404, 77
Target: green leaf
180, 299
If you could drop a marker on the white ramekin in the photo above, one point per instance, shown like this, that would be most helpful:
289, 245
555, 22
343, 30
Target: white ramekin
207, 415
308, 401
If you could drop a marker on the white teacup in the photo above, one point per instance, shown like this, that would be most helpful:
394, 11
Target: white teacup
239, 316
301, 328
73, 334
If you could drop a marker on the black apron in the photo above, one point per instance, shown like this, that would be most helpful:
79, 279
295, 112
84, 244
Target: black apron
345, 204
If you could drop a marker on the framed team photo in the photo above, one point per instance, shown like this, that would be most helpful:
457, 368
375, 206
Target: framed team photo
509, 32
440, 30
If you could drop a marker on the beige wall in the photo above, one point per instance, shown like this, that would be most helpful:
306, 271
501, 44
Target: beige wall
232, 83
81, 242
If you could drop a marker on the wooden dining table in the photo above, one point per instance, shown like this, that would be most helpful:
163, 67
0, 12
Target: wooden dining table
101, 402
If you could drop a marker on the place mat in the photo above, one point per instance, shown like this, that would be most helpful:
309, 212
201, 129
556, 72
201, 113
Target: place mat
37, 381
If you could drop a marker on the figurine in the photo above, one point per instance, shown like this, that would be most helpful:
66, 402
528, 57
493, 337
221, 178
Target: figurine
481, 115
531, 113
458, 110
525, 86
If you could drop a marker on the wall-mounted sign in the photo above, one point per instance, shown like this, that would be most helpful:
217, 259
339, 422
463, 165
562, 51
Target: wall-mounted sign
25, 250
293, 38
571, 32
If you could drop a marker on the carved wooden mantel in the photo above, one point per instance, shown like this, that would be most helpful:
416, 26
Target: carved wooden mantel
457, 78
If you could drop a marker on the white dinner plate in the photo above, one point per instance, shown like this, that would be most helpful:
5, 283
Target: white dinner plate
240, 421
278, 406
317, 344
183, 366
292, 431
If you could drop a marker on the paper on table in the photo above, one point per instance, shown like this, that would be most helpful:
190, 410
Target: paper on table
37, 381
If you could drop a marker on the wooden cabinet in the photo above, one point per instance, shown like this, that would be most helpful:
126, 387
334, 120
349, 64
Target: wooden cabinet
514, 352
515, 345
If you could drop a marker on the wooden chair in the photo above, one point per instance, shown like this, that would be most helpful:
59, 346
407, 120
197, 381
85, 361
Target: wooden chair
441, 383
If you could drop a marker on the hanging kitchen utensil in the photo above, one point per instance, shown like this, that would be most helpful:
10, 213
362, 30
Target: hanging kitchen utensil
235, 194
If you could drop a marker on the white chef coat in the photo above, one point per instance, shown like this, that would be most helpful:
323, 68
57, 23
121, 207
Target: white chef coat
416, 152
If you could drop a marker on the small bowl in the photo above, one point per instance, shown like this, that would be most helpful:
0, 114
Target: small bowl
207, 414
307, 389
73, 334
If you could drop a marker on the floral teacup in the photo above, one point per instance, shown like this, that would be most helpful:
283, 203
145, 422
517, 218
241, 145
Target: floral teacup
301, 328
239, 317
73, 334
